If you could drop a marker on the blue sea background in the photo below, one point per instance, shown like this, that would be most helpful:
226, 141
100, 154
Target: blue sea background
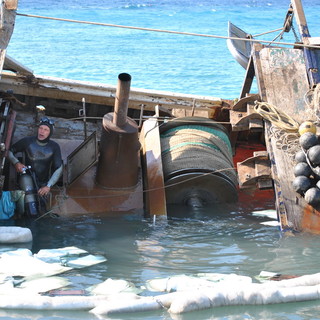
212, 240
157, 61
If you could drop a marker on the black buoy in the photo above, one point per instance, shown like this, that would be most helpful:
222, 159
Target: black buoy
301, 184
308, 140
302, 169
300, 156
314, 155
312, 196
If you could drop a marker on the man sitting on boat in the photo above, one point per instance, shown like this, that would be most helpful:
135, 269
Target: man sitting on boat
42, 165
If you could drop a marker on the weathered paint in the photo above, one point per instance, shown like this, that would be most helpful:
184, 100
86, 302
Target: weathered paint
310, 220
86, 197
155, 197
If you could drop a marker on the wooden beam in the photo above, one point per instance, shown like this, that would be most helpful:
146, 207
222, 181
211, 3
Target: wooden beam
7, 21
309, 54
2, 58
301, 20
15, 66
283, 82
155, 197
58, 88
246, 87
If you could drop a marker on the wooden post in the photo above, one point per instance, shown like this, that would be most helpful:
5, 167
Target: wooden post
301, 20
155, 197
11, 4
310, 58
7, 20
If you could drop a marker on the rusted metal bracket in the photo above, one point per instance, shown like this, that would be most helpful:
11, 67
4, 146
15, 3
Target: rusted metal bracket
255, 171
246, 119
242, 103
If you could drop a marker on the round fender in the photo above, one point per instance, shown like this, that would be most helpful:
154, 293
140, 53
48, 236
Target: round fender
15, 235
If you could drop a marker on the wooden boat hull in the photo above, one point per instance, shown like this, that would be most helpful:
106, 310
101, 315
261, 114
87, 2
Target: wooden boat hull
283, 80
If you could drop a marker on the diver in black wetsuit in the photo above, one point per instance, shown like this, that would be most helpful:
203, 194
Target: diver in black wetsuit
42, 155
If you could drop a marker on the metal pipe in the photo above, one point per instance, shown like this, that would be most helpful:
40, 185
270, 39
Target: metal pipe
84, 113
122, 100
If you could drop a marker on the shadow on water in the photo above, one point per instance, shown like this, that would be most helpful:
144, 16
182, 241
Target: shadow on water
216, 213
201, 213
86, 231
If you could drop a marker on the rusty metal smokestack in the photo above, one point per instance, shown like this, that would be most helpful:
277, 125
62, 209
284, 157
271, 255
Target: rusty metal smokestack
122, 100
118, 165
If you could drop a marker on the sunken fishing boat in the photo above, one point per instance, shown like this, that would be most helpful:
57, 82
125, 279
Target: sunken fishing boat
133, 150
123, 149
288, 102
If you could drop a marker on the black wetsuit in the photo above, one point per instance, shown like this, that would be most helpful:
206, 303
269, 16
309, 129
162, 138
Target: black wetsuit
44, 158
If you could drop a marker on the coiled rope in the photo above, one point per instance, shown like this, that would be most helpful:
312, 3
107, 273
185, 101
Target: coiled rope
276, 116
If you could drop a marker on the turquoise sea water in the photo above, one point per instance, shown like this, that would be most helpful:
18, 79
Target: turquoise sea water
215, 239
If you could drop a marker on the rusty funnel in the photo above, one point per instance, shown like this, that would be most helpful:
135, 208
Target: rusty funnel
118, 165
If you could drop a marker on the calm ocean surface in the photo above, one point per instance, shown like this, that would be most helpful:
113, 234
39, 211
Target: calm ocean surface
218, 240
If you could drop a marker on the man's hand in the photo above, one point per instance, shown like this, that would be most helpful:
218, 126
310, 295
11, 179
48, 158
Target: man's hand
19, 167
43, 191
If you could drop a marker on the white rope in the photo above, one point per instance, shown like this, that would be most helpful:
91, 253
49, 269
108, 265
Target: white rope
301, 45
286, 141
267, 32
276, 116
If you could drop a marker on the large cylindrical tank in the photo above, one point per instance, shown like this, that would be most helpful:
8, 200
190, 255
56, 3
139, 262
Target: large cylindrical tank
197, 162
118, 165
30, 199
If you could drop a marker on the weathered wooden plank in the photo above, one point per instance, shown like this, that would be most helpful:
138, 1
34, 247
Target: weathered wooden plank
2, 58
7, 21
283, 82
309, 54
285, 79
248, 79
15, 66
155, 197
58, 88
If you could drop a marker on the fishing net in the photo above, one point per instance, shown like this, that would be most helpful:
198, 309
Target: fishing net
197, 148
